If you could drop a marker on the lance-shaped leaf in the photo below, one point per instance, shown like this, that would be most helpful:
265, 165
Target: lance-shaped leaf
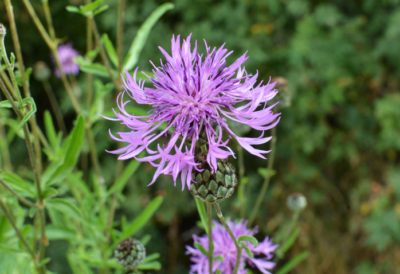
292, 263
142, 219
110, 49
123, 179
202, 212
141, 37
251, 239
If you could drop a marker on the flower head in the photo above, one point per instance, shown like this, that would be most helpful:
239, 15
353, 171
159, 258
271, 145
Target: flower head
224, 246
67, 54
194, 96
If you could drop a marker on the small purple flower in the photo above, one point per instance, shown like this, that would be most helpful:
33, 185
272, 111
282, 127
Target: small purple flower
67, 54
224, 246
193, 98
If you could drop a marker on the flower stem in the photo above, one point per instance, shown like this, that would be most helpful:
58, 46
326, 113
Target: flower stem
19, 197
103, 54
54, 105
238, 248
241, 183
210, 238
264, 188
19, 234
4, 149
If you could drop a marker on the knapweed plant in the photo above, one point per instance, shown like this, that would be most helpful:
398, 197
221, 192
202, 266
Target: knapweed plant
193, 100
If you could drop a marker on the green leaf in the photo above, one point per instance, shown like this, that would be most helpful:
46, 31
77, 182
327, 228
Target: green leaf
151, 257
43, 262
22, 187
142, 219
65, 206
95, 68
149, 266
145, 239
265, 172
141, 37
49, 193
218, 258
100, 10
110, 49
73, 9
30, 113
10, 249
119, 185
7, 104
32, 212
59, 233
201, 248
91, 6
91, 55
218, 271
248, 251
251, 239
72, 150
285, 247
202, 212
292, 263
51, 133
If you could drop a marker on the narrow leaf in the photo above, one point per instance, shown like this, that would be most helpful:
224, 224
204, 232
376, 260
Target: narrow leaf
285, 247
249, 253
292, 263
30, 113
141, 37
50, 130
65, 206
151, 257
91, 6
143, 218
201, 248
119, 185
110, 49
72, 9
251, 239
150, 266
100, 10
202, 212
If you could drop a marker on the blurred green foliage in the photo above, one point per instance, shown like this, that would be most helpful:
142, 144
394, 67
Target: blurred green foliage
338, 141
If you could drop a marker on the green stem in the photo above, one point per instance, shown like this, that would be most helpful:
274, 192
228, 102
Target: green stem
55, 106
19, 197
93, 154
6, 79
238, 248
4, 149
210, 238
103, 54
19, 234
264, 188
48, 19
120, 33
241, 184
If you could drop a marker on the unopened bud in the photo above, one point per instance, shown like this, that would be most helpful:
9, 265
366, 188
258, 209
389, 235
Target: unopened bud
296, 202
130, 253
41, 71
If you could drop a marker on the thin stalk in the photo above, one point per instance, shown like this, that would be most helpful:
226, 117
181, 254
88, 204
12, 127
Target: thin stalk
120, 33
210, 238
19, 197
53, 48
19, 234
93, 153
48, 19
55, 106
6, 80
75, 86
89, 47
4, 149
241, 184
238, 248
103, 53
264, 188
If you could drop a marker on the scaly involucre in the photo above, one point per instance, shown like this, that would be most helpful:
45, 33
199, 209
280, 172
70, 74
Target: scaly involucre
193, 97
224, 246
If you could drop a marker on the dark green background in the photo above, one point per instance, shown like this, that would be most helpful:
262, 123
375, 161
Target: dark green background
338, 141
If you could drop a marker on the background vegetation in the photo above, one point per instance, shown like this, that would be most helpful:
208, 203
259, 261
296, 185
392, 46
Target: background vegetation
337, 143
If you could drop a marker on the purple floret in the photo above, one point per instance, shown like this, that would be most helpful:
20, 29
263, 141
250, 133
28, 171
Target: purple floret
67, 53
224, 246
193, 97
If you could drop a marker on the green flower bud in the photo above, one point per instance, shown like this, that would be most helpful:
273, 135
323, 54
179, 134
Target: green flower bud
296, 202
213, 188
130, 253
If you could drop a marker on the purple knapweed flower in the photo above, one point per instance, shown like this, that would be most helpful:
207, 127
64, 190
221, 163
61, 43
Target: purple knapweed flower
193, 98
67, 54
224, 246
